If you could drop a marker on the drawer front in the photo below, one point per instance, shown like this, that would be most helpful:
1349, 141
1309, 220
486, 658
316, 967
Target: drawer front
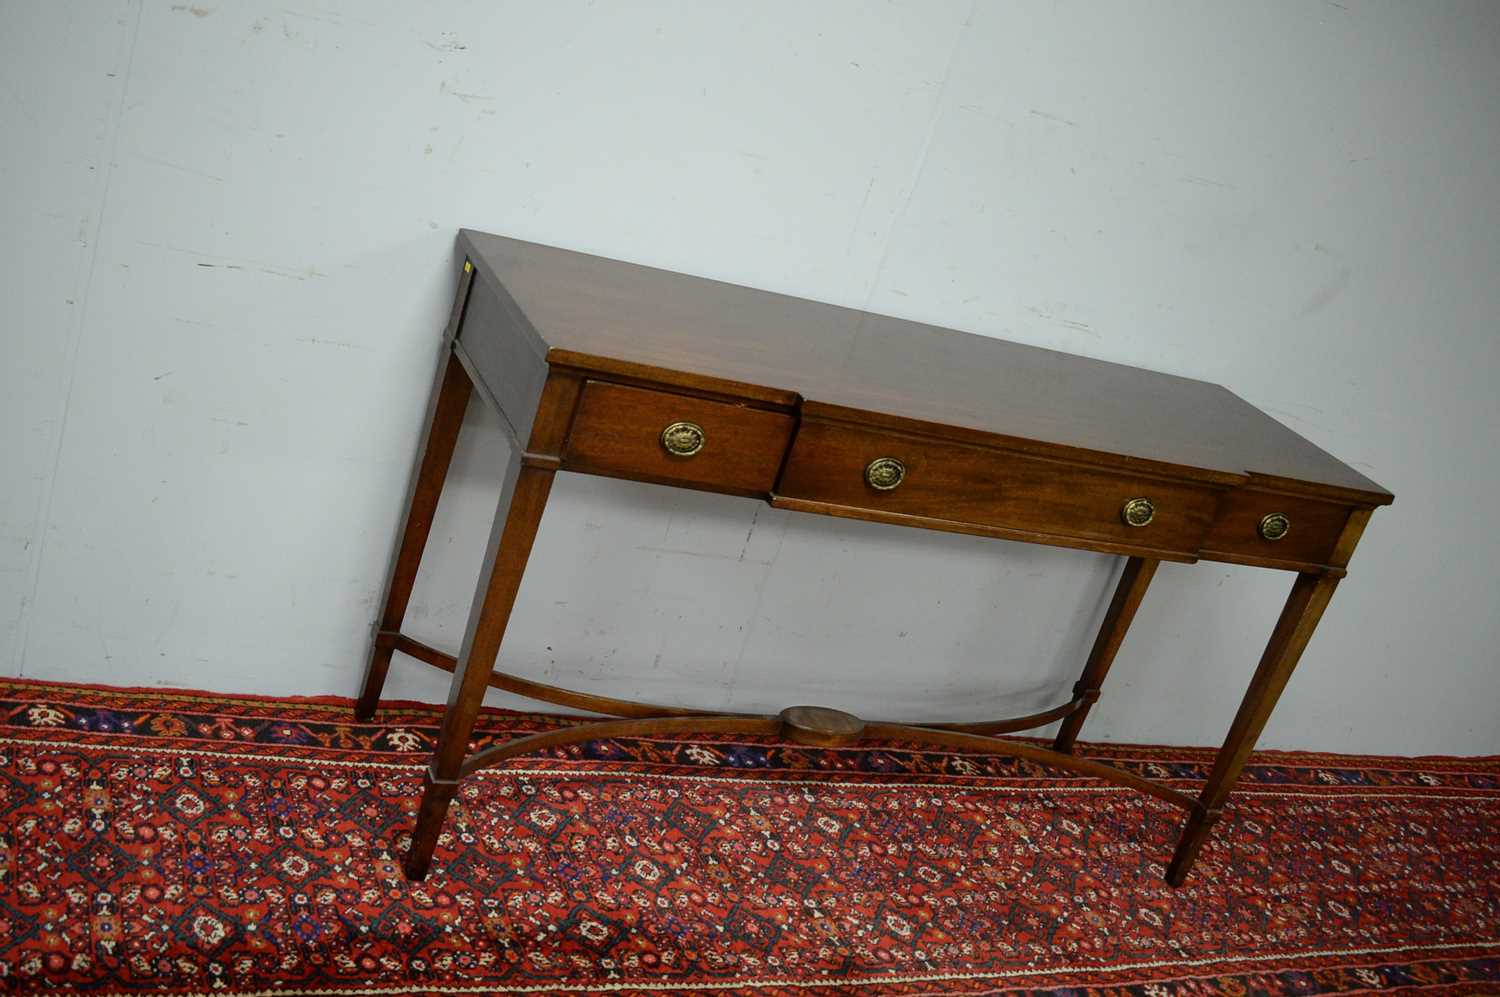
1311, 528
948, 484
619, 431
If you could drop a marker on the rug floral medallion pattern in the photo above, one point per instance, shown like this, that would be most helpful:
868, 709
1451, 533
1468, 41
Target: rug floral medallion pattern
184, 843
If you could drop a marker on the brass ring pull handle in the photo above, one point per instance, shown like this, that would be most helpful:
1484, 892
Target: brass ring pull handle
884, 473
1274, 527
1138, 512
683, 439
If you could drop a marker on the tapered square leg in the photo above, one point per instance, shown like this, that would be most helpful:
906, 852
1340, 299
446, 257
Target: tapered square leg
437, 794
445, 417
1127, 599
523, 499
1299, 617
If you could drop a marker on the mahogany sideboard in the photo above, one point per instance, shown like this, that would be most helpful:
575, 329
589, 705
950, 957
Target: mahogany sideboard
610, 368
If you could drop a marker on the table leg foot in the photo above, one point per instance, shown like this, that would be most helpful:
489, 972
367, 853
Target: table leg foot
369, 694
1195, 832
437, 794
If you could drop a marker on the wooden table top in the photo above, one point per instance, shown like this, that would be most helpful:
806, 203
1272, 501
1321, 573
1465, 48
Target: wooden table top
877, 370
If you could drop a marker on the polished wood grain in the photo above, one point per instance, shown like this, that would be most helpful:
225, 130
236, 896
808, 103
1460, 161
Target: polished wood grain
599, 730
964, 741
542, 692
820, 726
604, 315
587, 361
617, 431
1309, 542
506, 359
1009, 725
976, 486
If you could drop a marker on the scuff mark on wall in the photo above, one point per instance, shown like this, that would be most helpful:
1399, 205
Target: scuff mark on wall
467, 98
315, 341
1326, 294
1054, 117
1207, 182
308, 274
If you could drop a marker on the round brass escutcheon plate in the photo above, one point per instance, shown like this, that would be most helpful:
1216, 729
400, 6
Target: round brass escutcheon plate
820, 725
683, 439
1138, 512
884, 473
1274, 527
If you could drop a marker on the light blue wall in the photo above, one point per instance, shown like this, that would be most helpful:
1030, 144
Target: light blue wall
228, 256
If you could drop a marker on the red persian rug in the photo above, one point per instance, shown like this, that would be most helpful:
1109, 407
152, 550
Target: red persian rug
185, 843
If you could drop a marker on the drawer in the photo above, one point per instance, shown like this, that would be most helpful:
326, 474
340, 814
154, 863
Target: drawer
969, 489
623, 432
1312, 528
